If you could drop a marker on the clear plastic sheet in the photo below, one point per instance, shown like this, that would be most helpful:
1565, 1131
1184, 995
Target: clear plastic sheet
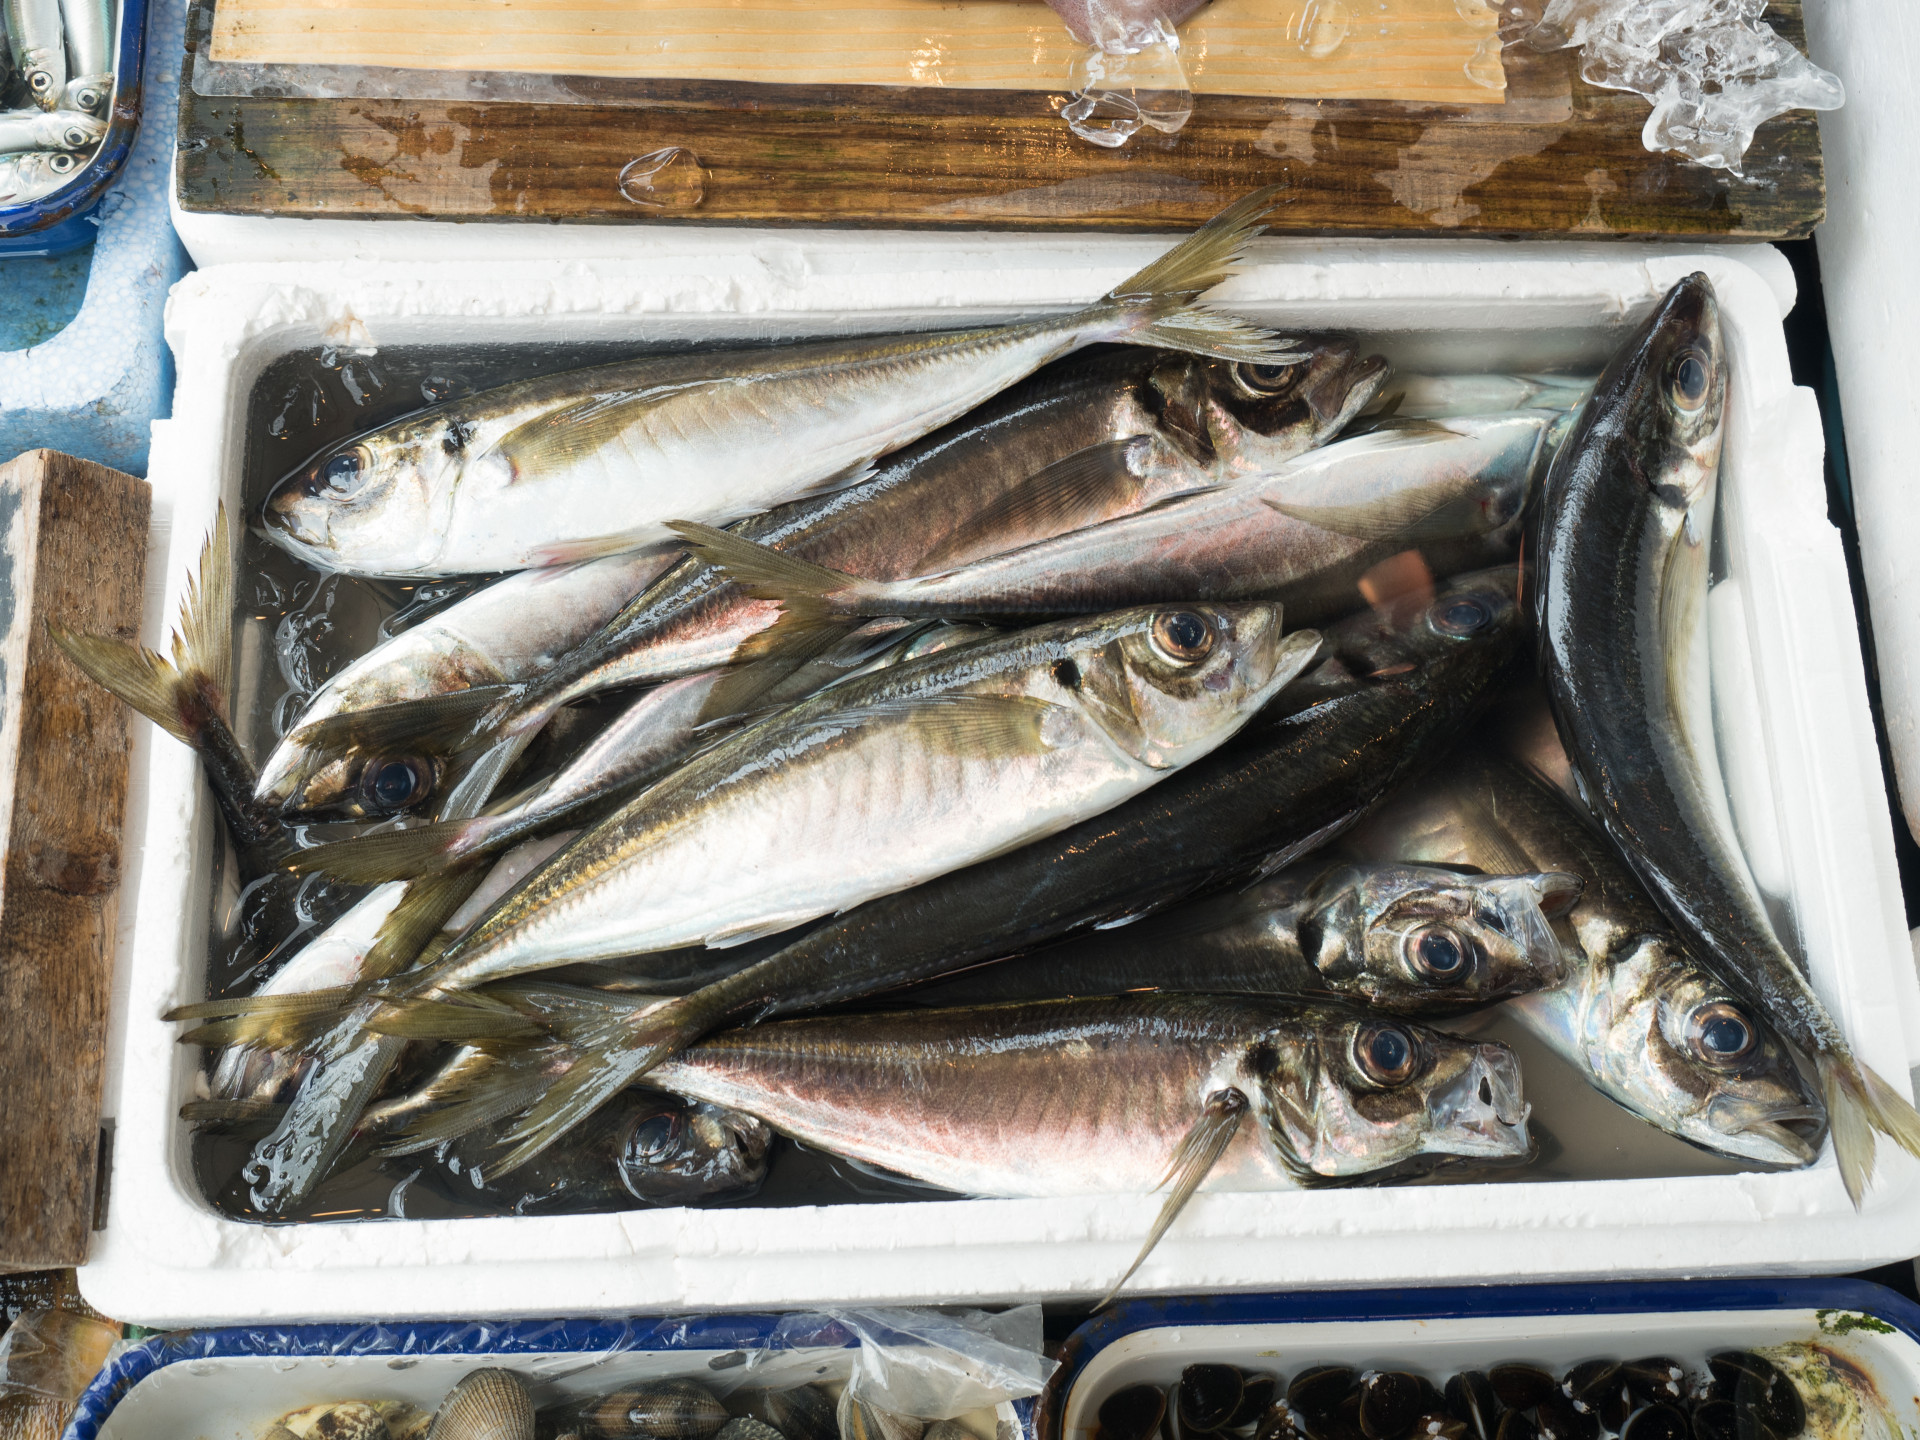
1711, 70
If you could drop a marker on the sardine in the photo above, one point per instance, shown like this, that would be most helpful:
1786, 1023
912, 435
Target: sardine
1398, 686
1082, 441
88, 94
1624, 533
34, 175
1399, 939
515, 628
594, 461
1118, 1095
39, 55
89, 25
39, 130
1642, 1021
1304, 535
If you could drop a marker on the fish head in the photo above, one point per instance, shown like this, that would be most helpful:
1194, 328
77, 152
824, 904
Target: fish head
675, 1150
1674, 1045
1378, 1092
1259, 416
1170, 683
1423, 940
357, 785
1682, 394
1409, 632
385, 497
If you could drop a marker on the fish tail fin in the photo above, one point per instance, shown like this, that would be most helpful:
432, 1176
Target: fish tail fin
463, 1018
1200, 1148
269, 1022
1156, 302
1859, 1103
401, 854
184, 694
805, 590
614, 1051
441, 724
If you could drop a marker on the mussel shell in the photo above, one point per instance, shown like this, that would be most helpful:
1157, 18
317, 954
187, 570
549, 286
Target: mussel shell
488, 1404
656, 1410
1657, 1422
1132, 1414
1656, 1380
1769, 1410
1560, 1419
1279, 1423
1590, 1379
1514, 1425
804, 1412
1319, 1391
1715, 1420
1470, 1400
745, 1427
1207, 1396
861, 1421
1390, 1401
1256, 1395
1729, 1365
1437, 1425
1521, 1387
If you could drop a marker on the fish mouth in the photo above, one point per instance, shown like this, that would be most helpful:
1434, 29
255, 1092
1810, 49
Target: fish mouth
1787, 1135
1482, 1111
1339, 384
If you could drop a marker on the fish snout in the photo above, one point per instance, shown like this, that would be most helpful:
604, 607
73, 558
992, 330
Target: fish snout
1773, 1132
1483, 1110
1557, 891
1337, 391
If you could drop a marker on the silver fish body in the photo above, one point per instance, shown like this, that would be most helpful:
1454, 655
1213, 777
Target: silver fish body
1398, 939
1078, 1097
1413, 396
508, 631
35, 174
1305, 534
89, 25
591, 461
883, 781
22, 130
88, 94
1639, 1017
1625, 531
39, 51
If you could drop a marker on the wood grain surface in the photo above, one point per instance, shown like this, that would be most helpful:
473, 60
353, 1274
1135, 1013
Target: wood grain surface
75, 550
1557, 157
1415, 50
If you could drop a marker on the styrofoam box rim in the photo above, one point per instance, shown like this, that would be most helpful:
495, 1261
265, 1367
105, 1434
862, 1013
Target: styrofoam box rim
230, 1384
1443, 1332
1818, 813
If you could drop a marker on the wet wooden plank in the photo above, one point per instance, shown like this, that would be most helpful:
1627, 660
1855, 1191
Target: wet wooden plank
74, 553
1410, 50
1559, 157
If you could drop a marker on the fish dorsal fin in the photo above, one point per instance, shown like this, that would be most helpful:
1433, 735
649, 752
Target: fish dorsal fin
1082, 489
1199, 1150
555, 440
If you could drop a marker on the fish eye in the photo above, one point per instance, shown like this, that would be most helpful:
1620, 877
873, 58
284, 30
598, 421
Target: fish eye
1437, 954
341, 475
395, 784
1460, 615
1386, 1054
654, 1139
40, 81
1721, 1034
1264, 382
1690, 378
73, 135
60, 162
1182, 636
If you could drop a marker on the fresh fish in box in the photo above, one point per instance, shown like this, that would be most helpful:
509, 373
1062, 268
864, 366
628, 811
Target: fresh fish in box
34, 175
39, 54
41, 130
89, 26
1620, 605
1399, 939
596, 461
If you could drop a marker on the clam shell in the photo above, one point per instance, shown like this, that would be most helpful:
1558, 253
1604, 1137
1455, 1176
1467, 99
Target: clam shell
334, 1420
747, 1428
658, 1410
488, 1405
861, 1421
802, 1413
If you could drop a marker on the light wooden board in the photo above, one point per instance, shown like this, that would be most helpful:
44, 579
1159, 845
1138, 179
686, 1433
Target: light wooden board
73, 551
1424, 51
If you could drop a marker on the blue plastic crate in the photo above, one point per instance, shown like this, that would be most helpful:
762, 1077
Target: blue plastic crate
94, 388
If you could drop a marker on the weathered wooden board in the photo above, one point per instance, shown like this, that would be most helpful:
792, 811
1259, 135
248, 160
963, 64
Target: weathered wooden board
73, 551
1558, 157
1429, 51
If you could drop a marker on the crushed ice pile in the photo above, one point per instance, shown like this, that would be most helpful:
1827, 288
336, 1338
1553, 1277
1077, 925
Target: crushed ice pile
1131, 73
1711, 70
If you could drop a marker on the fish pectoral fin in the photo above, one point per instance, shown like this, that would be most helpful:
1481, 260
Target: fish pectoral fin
1490, 842
758, 930
1411, 515
802, 588
1087, 487
1201, 1148
993, 727
553, 441
438, 723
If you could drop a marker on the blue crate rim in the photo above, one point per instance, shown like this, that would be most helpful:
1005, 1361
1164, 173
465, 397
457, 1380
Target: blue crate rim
80, 195
422, 1338
1457, 1303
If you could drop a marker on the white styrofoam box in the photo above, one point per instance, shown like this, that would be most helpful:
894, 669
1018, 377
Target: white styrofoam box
232, 1384
1440, 1333
1873, 314
1812, 801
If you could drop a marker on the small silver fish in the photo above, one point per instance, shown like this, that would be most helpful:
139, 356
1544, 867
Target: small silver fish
39, 55
22, 130
35, 174
87, 94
